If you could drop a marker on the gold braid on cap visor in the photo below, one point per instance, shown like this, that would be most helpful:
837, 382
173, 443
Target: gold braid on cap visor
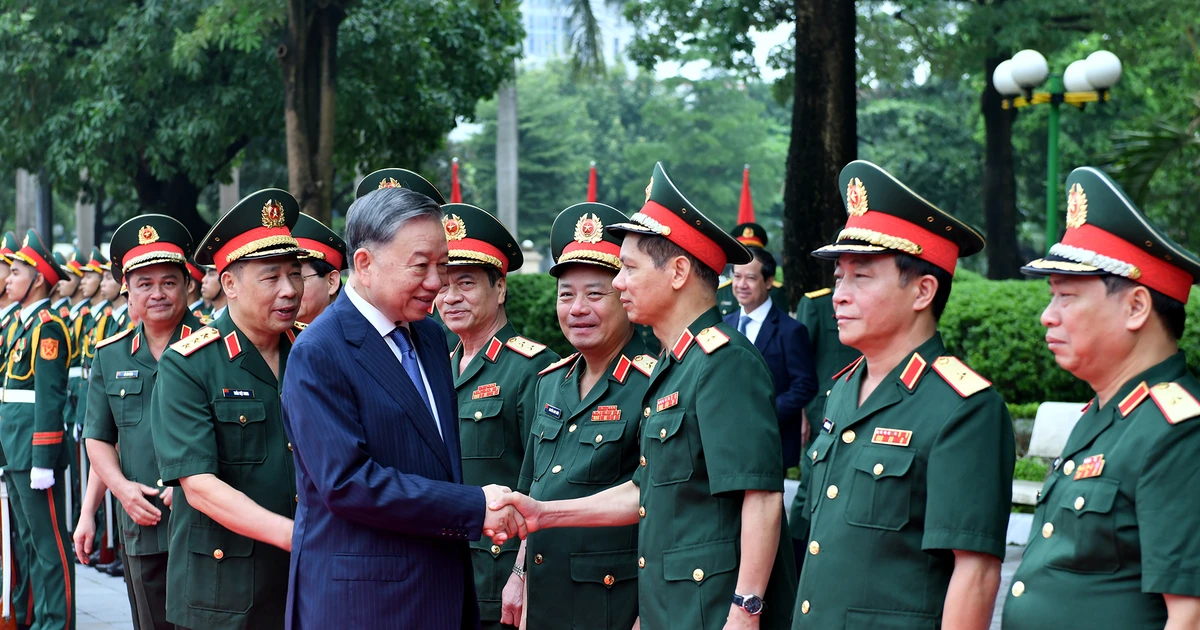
881, 239
590, 255
471, 256
261, 244
651, 223
152, 258
1099, 261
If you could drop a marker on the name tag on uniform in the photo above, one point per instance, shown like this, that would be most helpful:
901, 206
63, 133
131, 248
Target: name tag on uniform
238, 393
485, 391
554, 411
127, 374
895, 437
668, 401
1091, 467
606, 413
827, 426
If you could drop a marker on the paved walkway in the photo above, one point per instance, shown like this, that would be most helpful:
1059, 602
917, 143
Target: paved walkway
102, 603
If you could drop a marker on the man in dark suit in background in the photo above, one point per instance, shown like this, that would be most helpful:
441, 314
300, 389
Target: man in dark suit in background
383, 518
783, 343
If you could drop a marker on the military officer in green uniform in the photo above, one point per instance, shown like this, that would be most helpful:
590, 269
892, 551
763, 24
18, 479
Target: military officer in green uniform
707, 495
219, 433
322, 266
584, 438
750, 235
67, 287
1114, 541
495, 376
912, 470
149, 252
196, 303
32, 436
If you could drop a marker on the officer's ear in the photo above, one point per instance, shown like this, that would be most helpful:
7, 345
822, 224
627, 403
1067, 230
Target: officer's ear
680, 268
229, 280
926, 287
1137, 305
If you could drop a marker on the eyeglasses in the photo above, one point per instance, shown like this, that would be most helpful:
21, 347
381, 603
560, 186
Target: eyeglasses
315, 275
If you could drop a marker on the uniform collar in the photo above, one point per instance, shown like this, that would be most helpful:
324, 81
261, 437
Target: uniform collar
7, 310
195, 305
1136, 389
687, 338
28, 311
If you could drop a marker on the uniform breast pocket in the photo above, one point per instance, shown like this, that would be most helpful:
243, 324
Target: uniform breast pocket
599, 458
482, 428
545, 442
881, 493
125, 400
668, 449
241, 431
1085, 528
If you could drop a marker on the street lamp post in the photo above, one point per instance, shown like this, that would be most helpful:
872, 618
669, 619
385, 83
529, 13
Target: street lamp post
1085, 81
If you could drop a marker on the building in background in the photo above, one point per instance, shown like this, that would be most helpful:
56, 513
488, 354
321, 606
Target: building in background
548, 30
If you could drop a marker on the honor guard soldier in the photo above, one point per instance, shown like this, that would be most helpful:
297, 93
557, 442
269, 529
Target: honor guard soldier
34, 394
219, 434
115, 315
149, 253
584, 437
322, 264
912, 470
8, 306
1114, 541
750, 235
196, 304
495, 376
66, 288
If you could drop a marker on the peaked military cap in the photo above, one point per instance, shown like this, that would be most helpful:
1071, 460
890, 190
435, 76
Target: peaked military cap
34, 252
258, 226
196, 271
750, 234
8, 246
320, 242
74, 263
669, 214
399, 178
475, 237
149, 240
63, 262
578, 236
1107, 234
97, 262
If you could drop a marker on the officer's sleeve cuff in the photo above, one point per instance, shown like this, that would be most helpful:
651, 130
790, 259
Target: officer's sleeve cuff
524, 484
1186, 584
748, 481
99, 433
172, 473
956, 540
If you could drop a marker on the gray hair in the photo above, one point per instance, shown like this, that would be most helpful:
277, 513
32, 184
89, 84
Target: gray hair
375, 217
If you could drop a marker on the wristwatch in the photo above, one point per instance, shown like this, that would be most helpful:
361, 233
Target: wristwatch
752, 604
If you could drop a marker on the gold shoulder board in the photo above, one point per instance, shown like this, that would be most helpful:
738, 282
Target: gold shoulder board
710, 339
961, 378
645, 363
557, 364
524, 346
1175, 402
196, 340
113, 338
724, 284
812, 295
300, 325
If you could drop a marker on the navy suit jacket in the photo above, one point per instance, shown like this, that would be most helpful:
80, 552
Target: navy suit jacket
383, 520
784, 345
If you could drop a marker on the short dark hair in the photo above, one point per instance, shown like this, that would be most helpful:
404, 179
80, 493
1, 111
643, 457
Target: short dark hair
660, 250
1171, 311
768, 261
493, 274
911, 268
323, 269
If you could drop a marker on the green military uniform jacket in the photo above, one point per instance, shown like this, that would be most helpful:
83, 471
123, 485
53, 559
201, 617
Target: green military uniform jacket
728, 303
497, 395
115, 320
217, 412
122, 381
86, 327
922, 468
32, 408
1115, 526
584, 578
704, 443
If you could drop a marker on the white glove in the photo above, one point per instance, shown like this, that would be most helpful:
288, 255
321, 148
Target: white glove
41, 478
1, 473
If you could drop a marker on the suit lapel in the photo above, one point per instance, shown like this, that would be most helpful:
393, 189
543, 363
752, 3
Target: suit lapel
429, 351
767, 329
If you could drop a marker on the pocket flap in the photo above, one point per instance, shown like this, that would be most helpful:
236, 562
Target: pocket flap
545, 427
696, 562
664, 425
1093, 495
598, 434
884, 461
820, 447
481, 409
606, 567
239, 411
124, 387
218, 543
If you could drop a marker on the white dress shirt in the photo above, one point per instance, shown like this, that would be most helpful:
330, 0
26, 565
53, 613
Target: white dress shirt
384, 327
27, 312
757, 317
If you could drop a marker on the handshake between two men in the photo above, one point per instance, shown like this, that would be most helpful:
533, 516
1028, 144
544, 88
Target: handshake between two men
509, 514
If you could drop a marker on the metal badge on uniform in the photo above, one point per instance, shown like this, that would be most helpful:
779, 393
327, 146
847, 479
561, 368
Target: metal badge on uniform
827, 426
895, 437
606, 413
1092, 466
668, 401
238, 393
127, 374
554, 411
485, 391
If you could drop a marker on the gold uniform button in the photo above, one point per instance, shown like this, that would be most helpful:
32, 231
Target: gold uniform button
646, 413
609, 580
878, 469
538, 559
641, 563
218, 554
1068, 468
814, 456
290, 447
1018, 589
599, 438
242, 419
698, 575
123, 395
1079, 503
571, 429
642, 511
297, 498
814, 547
831, 492
848, 436
662, 433
556, 469
495, 550
805, 607
1047, 530
478, 415
643, 460
160, 483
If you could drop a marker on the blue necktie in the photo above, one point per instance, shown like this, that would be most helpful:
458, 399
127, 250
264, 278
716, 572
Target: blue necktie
742, 323
408, 359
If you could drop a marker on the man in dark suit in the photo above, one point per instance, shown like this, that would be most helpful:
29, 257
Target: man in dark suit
783, 343
383, 519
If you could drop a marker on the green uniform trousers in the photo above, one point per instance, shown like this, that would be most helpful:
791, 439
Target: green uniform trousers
38, 515
146, 580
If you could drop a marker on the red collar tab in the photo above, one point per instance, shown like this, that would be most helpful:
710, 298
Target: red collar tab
681, 346
622, 369
137, 343
913, 371
848, 370
493, 349
1134, 399
232, 345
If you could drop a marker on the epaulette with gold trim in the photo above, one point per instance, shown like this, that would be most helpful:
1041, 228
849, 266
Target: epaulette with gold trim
961, 378
206, 319
849, 368
1175, 402
196, 340
645, 363
724, 284
557, 364
300, 325
710, 339
525, 347
777, 284
116, 337
812, 295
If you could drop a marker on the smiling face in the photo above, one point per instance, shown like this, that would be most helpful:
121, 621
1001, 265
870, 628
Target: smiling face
1086, 326
589, 308
750, 286
157, 294
469, 304
402, 278
264, 295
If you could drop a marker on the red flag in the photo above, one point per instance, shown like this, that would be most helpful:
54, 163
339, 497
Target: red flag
455, 189
746, 207
592, 183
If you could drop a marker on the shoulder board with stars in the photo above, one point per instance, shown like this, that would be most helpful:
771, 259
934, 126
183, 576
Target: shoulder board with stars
710, 339
848, 370
645, 363
961, 378
812, 295
557, 364
525, 347
196, 340
1175, 402
300, 325
114, 338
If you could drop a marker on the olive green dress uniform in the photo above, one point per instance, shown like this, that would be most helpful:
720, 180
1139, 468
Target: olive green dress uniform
750, 235
1115, 525
35, 392
223, 417
702, 447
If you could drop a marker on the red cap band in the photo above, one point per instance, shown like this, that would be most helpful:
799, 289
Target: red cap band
244, 239
936, 249
604, 247
28, 254
332, 256
688, 237
142, 250
1156, 273
480, 247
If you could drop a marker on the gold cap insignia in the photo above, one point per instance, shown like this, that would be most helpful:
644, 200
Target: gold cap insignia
147, 235
25, 243
649, 187
856, 198
389, 182
1076, 207
272, 214
748, 233
456, 230
589, 229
